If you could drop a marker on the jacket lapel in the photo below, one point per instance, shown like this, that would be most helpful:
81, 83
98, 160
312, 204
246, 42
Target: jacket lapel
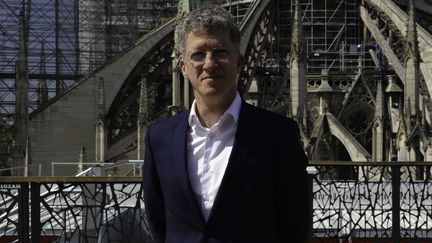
180, 165
239, 153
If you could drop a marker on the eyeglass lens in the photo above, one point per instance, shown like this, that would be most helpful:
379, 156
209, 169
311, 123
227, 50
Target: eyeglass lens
218, 54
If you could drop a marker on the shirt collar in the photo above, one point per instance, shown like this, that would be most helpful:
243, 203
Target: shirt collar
233, 110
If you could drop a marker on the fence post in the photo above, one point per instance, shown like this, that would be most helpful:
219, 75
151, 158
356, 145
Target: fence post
35, 212
23, 213
312, 171
395, 203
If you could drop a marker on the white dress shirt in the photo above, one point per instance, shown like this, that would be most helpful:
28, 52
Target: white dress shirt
208, 151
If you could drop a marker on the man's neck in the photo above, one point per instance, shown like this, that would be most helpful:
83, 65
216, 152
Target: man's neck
209, 111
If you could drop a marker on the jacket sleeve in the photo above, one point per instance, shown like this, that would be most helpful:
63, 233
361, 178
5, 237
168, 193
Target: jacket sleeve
153, 199
293, 200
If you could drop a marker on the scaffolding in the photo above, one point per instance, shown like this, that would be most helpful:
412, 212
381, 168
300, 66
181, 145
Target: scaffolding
332, 32
69, 39
66, 40
332, 35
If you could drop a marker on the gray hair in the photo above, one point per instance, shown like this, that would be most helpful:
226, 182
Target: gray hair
207, 18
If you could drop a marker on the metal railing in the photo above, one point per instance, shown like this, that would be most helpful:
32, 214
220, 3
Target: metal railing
127, 167
352, 202
21, 169
117, 168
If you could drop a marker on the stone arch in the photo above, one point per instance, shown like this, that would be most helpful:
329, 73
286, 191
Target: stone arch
328, 123
356, 151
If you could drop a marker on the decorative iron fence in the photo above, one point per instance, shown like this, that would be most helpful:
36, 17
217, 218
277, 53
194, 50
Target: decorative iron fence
72, 209
352, 202
372, 201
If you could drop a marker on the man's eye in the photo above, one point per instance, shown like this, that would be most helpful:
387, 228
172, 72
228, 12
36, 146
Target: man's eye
220, 53
198, 56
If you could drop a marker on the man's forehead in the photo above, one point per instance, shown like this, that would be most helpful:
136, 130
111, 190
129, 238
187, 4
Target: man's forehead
204, 32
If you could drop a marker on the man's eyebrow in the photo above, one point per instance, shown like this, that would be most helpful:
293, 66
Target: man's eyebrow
202, 47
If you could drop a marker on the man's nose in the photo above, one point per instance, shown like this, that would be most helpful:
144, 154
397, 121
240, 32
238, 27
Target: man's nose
210, 61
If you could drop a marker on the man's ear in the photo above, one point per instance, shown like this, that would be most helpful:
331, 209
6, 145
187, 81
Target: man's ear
240, 62
182, 66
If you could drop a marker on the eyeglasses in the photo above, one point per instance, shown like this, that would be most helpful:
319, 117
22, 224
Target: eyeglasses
219, 54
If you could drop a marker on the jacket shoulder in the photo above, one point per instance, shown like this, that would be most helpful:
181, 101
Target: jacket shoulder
269, 118
167, 125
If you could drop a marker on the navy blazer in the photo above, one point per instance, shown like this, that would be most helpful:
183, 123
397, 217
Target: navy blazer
263, 196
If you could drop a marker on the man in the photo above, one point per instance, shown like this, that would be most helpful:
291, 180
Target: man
225, 171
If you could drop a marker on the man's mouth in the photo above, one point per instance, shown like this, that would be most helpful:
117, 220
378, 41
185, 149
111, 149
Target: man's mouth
212, 77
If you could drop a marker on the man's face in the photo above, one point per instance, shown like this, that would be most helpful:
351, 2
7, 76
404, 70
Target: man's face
211, 63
